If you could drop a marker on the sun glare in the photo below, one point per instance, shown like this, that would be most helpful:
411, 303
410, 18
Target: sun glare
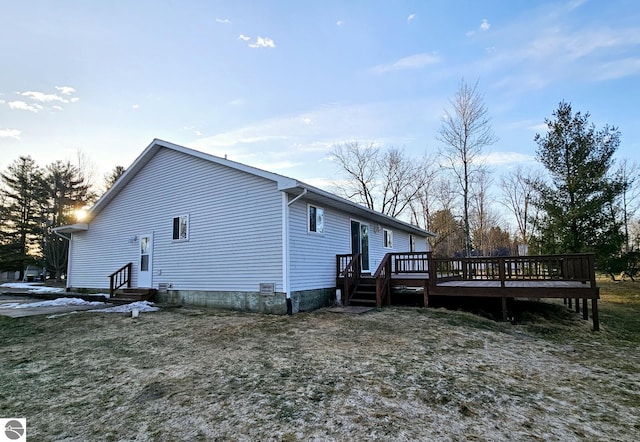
80, 214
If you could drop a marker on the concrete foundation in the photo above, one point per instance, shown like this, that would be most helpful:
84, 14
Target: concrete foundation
304, 300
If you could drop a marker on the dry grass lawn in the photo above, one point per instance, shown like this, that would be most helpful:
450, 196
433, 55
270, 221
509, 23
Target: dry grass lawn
193, 374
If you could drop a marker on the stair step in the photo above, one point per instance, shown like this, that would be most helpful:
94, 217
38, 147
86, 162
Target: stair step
129, 295
362, 301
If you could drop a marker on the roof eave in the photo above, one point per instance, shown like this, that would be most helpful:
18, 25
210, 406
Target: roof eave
72, 228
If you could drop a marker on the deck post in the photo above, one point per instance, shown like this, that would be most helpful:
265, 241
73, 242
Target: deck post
585, 309
425, 299
577, 305
594, 314
570, 302
505, 314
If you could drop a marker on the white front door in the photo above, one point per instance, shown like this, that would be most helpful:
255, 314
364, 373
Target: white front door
145, 261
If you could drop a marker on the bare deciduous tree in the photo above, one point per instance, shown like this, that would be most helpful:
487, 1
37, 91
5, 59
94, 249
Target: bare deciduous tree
465, 131
483, 217
630, 198
386, 181
518, 194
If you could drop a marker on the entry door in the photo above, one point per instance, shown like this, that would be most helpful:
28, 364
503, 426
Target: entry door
360, 243
146, 261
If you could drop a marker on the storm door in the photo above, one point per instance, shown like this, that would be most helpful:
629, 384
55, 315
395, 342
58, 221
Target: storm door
360, 243
146, 261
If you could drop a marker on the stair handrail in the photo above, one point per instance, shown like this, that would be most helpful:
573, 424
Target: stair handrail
119, 278
382, 277
351, 278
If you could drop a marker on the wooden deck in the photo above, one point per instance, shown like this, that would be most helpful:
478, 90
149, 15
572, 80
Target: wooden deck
571, 277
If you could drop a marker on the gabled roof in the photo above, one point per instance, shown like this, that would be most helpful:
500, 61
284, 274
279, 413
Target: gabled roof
284, 184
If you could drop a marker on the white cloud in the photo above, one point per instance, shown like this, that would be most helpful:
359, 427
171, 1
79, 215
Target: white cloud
74, 100
263, 42
237, 102
411, 17
484, 26
224, 21
59, 108
244, 37
65, 90
21, 105
10, 133
135, 106
618, 69
415, 61
339, 22
42, 97
505, 158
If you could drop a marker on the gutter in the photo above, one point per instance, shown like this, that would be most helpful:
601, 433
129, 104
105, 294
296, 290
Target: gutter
62, 235
304, 192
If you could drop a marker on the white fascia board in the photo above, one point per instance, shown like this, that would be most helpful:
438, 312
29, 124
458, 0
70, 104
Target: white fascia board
72, 228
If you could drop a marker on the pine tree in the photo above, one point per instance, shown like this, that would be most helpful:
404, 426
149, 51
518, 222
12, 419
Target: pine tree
65, 191
22, 200
577, 202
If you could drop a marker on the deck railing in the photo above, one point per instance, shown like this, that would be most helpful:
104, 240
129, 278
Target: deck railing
382, 277
120, 278
349, 269
574, 267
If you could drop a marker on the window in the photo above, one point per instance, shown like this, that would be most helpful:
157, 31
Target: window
316, 219
387, 238
181, 228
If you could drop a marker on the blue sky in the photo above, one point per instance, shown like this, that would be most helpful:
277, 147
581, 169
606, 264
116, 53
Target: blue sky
276, 84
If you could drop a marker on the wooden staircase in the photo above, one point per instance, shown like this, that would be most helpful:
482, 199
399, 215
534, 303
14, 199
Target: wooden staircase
129, 295
364, 293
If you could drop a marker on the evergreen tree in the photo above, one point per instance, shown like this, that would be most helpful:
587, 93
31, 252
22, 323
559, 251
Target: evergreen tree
65, 191
22, 200
577, 202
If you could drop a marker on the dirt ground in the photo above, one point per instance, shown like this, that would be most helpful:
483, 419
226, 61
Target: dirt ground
395, 374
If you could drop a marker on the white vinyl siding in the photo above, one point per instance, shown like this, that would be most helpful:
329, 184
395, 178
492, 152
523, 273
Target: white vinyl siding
234, 225
313, 257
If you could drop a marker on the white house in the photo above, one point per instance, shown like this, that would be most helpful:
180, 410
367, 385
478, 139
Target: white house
210, 231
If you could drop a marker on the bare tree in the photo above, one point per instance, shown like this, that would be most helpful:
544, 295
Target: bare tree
518, 194
423, 205
630, 198
360, 165
386, 181
465, 131
483, 217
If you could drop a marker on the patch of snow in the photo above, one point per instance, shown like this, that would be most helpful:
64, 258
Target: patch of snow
52, 303
47, 290
62, 314
20, 285
141, 306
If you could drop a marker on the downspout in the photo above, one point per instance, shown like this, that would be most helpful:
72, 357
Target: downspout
61, 235
68, 238
286, 283
285, 252
304, 192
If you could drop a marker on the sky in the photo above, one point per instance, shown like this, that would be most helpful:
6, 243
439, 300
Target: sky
276, 84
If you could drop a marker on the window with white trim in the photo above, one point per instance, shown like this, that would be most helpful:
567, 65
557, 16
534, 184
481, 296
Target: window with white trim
316, 219
181, 228
387, 238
